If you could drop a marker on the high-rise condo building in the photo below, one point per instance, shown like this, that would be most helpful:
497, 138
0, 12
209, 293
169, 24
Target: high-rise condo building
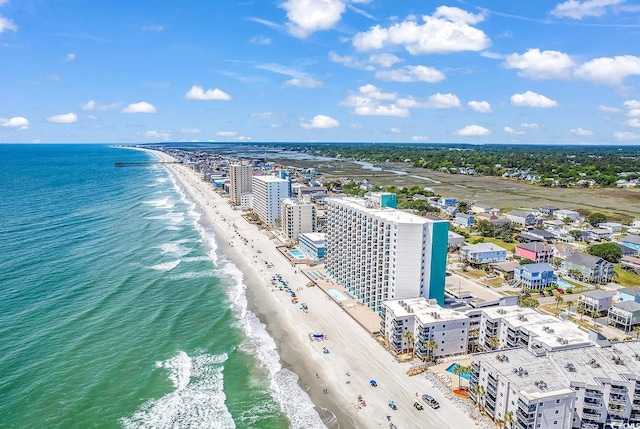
380, 253
240, 176
268, 191
297, 217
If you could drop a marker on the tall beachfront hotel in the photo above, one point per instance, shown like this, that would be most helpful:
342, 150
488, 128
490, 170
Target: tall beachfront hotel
240, 187
380, 253
268, 191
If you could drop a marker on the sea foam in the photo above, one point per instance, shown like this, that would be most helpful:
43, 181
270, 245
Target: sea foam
197, 400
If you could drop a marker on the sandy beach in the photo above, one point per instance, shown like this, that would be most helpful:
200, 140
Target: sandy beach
334, 379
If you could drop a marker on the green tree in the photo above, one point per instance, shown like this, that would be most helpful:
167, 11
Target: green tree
493, 342
525, 261
569, 304
581, 311
461, 370
595, 315
509, 420
596, 218
463, 207
486, 228
607, 251
636, 330
431, 346
576, 234
559, 300
410, 339
479, 392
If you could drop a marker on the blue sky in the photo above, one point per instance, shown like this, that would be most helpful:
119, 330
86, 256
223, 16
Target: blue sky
485, 71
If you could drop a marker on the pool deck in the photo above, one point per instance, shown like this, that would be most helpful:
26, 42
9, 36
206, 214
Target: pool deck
448, 379
366, 317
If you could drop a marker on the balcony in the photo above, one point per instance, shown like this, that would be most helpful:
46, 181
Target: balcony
526, 418
591, 415
586, 425
620, 400
615, 410
621, 390
593, 394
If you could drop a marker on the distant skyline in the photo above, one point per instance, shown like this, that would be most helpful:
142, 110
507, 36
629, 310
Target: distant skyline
479, 72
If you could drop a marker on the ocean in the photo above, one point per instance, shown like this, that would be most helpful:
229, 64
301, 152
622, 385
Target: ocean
118, 309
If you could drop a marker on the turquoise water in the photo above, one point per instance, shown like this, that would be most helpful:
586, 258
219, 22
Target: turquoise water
564, 284
451, 367
336, 294
117, 308
297, 254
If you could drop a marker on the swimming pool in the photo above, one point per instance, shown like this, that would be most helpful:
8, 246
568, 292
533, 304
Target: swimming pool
564, 284
296, 254
336, 294
452, 366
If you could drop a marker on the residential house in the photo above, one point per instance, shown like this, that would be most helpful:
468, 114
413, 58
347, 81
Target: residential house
562, 214
505, 269
480, 208
534, 276
447, 202
451, 211
598, 234
631, 293
547, 210
612, 227
537, 252
632, 241
595, 300
591, 268
521, 218
626, 251
485, 216
454, 240
463, 220
625, 315
483, 253
533, 235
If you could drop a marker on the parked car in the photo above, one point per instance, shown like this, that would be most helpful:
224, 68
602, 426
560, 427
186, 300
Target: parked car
560, 291
418, 406
430, 400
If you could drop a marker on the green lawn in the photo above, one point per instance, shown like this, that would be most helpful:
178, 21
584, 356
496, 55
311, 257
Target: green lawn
509, 246
626, 278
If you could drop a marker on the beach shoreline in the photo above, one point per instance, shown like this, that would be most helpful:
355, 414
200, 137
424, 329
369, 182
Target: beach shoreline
332, 380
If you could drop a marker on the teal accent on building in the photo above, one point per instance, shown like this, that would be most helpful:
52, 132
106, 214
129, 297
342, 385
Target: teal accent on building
439, 240
389, 200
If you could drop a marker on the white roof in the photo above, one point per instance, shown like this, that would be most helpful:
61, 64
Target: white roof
424, 311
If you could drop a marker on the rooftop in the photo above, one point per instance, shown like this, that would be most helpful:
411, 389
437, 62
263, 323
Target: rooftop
518, 213
386, 213
534, 247
583, 259
597, 294
270, 179
631, 290
316, 237
423, 310
537, 268
630, 238
630, 306
483, 247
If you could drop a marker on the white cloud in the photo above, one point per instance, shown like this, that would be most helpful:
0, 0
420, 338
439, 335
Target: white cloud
631, 104
531, 99
260, 40
384, 60
446, 31
16, 122
419, 138
227, 133
190, 131
608, 109
396, 130
7, 25
141, 107
308, 16
156, 28
633, 122
94, 105
579, 9
70, 57
529, 126
158, 135
491, 55
513, 131
264, 115
412, 74
348, 61
198, 93
538, 64
356, 126
626, 136
320, 122
368, 102
609, 70
65, 118
303, 82
480, 106
472, 131
580, 132
443, 101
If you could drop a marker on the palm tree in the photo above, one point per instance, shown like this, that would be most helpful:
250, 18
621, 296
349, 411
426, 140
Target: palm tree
473, 340
508, 419
431, 346
581, 311
595, 315
479, 392
636, 330
569, 304
410, 339
500, 423
461, 370
559, 300
493, 342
